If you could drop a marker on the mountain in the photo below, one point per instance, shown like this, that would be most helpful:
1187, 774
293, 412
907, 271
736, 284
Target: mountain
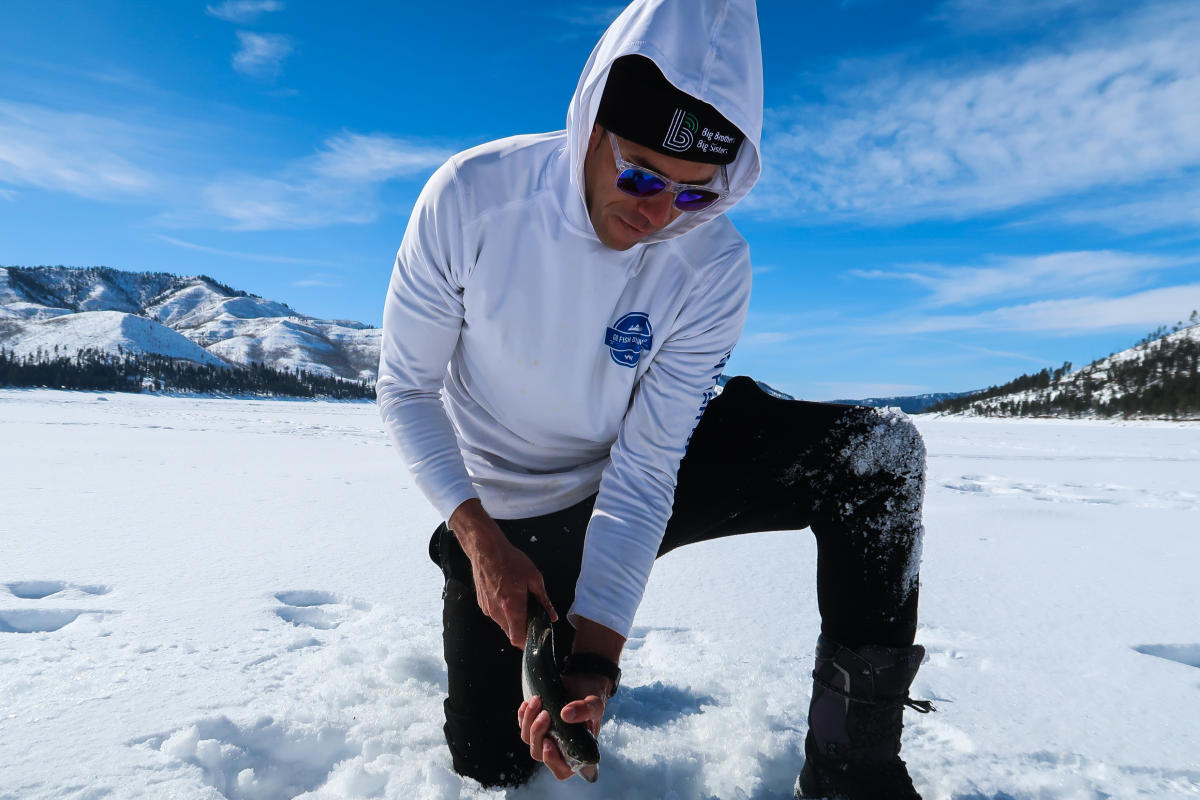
1157, 377
909, 404
59, 311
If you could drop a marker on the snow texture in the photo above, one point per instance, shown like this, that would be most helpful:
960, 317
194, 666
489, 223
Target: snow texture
231, 599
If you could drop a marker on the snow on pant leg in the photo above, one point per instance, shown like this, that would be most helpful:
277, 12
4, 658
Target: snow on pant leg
869, 477
483, 668
855, 475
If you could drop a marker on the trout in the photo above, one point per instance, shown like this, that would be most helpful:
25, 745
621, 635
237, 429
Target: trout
540, 676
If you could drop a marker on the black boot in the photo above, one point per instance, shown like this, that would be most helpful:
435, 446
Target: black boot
852, 751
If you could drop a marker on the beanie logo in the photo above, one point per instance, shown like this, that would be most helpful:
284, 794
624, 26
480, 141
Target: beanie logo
681, 135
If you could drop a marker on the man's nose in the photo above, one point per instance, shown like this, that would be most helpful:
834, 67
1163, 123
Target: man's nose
657, 209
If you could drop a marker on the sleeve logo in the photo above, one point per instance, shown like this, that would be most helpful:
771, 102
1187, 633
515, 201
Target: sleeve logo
628, 338
681, 135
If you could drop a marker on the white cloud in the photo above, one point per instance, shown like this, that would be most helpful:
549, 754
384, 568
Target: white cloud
1041, 276
242, 12
1138, 311
987, 351
8, 194
261, 55
987, 15
1171, 207
339, 184
1116, 107
265, 257
586, 15
82, 154
354, 157
319, 280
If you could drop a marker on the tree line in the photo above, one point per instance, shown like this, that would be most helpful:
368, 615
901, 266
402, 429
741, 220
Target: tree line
1162, 380
96, 369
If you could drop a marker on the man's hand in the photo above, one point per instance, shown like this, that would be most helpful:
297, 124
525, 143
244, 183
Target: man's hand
593, 691
504, 576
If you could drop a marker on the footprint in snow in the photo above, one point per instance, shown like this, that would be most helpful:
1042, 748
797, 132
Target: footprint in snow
1186, 654
45, 620
311, 608
40, 590
266, 758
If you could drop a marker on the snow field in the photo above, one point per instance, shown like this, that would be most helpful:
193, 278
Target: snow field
212, 599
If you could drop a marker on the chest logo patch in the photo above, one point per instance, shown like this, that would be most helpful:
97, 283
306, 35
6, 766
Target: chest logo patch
628, 338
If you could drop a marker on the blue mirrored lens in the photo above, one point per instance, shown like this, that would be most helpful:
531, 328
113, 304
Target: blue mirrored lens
694, 199
639, 184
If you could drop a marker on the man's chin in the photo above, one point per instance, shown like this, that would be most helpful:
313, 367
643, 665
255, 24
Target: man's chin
625, 235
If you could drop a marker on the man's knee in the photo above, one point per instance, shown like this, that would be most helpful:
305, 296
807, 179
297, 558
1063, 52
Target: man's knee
481, 751
869, 472
881, 442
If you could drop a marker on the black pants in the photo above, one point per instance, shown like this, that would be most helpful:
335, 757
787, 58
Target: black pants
855, 476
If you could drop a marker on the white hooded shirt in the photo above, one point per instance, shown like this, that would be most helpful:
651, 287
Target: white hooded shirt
528, 365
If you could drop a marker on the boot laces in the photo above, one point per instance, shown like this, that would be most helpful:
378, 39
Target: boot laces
921, 706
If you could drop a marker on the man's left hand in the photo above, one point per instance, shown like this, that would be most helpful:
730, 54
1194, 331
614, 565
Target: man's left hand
593, 691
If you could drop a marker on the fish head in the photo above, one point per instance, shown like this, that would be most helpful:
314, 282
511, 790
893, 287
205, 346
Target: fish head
581, 753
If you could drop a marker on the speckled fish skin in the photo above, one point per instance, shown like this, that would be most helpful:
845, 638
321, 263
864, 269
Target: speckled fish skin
539, 676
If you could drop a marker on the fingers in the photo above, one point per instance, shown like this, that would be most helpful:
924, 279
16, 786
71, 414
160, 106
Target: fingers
589, 710
535, 727
526, 714
515, 620
539, 591
553, 759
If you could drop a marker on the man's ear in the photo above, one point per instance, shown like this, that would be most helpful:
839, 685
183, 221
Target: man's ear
597, 135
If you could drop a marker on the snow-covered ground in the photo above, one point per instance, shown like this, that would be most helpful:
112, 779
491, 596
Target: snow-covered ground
231, 599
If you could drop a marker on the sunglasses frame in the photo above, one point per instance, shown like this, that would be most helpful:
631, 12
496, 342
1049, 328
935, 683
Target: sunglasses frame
669, 185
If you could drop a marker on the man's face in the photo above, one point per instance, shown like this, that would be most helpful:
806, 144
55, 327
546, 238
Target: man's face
621, 221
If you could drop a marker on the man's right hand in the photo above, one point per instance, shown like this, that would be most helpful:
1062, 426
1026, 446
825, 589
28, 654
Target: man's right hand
504, 576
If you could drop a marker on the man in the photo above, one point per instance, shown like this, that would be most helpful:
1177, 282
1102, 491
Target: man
560, 310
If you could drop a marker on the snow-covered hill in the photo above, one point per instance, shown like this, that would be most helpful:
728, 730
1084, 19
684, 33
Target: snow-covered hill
1160, 376
107, 331
191, 318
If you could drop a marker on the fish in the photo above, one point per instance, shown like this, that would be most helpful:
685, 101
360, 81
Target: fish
540, 676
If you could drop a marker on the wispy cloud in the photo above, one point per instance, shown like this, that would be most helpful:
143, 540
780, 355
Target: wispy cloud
1138, 311
82, 154
1037, 276
242, 12
585, 15
1115, 107
768, 338
319, 280
338, 184
264, 257
985, 15
987, 351
261, 55
8, 194
1176, 205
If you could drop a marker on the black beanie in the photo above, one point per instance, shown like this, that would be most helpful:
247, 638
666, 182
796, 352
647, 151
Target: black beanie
641, 105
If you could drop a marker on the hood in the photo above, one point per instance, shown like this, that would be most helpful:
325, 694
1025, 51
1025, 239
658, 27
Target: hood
707, 48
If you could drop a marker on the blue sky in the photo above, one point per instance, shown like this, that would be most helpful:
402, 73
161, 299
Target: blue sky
954, 191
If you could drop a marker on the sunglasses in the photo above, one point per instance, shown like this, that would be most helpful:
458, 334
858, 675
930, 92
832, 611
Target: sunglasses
641, 182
